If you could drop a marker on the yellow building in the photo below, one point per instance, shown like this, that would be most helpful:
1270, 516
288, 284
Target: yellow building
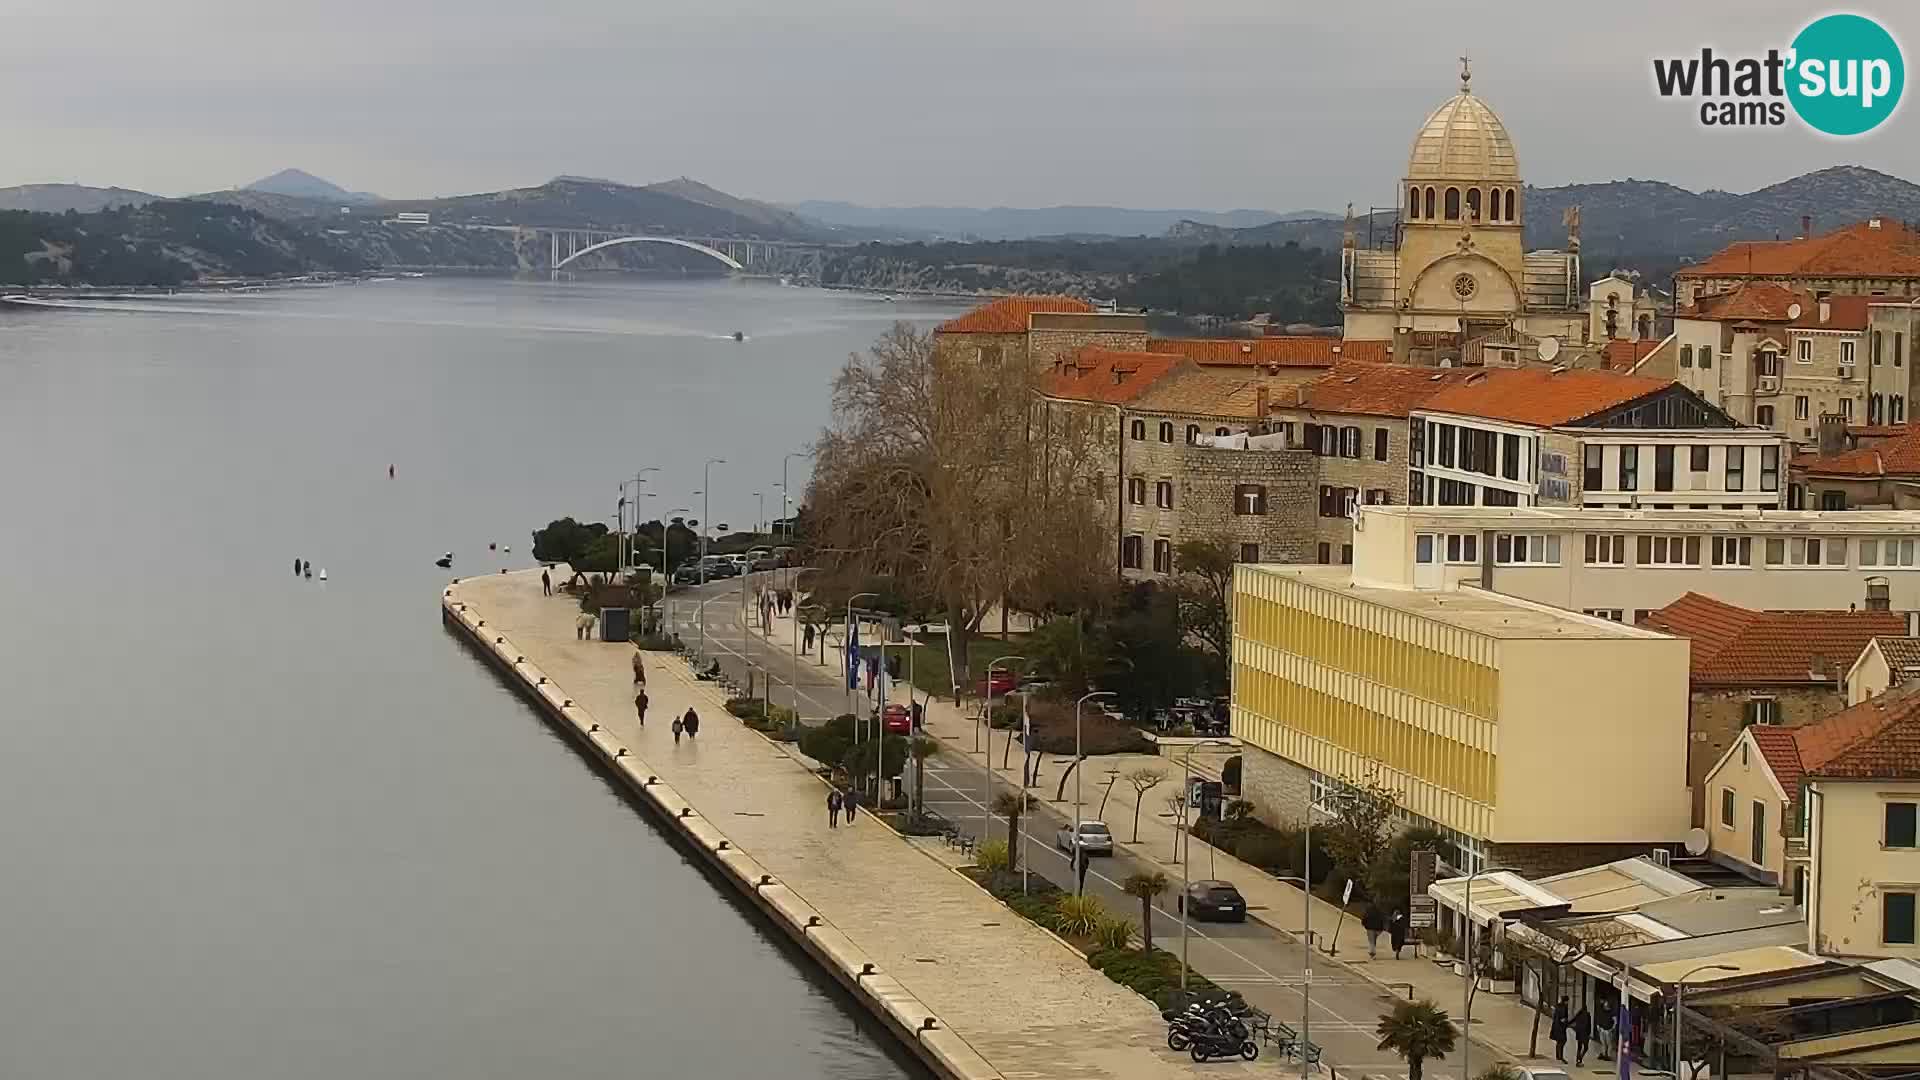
1503, 722
1459, 268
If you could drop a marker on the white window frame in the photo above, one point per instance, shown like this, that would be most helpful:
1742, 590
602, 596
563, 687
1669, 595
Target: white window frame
1887, 552
1608, 549
1667, 550
1803, 351
1732, 551
1462, 549
1526, 549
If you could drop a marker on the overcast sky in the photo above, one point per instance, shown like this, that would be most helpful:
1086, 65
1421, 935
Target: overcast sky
1273, 104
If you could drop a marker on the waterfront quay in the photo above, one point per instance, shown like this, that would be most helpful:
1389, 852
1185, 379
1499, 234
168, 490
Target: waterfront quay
971, 988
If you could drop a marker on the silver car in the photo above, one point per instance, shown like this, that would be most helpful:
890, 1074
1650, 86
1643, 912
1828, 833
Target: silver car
1094, 838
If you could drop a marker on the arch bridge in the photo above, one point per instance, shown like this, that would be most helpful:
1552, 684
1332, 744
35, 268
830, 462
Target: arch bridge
575, 250
736, 254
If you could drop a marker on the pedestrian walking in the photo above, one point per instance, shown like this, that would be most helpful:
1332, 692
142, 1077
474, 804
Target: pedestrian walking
833, 808
583, 626
1558, 1032
848, 802
1604, 1024
546, 583
691, 722
1397, 932
806, 635
639, 668
1582, 1034
1374, 922
679, 725
640, 705
296, 568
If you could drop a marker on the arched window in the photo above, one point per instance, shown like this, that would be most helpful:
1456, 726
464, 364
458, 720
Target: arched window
1473, 204
1193, 434
1511, 216
1873, 409
1413, 202
1166, 431
1429, 213
1896, 409
1453, 204
1646, 327
1138, 429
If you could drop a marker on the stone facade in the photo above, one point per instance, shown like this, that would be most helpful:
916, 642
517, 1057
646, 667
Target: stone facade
1056, 336
1373, 479
1280, 790
1213, 504
1716, 715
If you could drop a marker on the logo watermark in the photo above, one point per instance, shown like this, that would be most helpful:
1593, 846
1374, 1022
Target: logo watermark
1842, 75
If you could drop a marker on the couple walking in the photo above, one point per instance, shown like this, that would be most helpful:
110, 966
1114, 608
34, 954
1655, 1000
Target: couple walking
690, 724
1579, 1025
837, 800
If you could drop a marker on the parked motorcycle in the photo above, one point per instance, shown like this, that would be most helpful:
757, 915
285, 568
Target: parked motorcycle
1221, 1044
1199, 1020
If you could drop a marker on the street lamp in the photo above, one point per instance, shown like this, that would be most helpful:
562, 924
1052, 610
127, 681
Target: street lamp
1679, 993
666, 527
638, 479
1467, 954
1185, 875
706, 485
1079, 759
1325, 806
786, 503
986, 808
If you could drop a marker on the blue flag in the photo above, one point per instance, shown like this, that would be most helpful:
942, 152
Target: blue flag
853, 654
1623, 1052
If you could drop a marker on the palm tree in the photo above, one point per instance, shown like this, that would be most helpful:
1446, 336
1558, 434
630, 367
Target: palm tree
921, 748
1416, 1030
1147, 887
1010, 805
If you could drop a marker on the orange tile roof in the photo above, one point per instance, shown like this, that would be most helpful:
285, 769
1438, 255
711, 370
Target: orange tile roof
1284, 351
1876, 431
1767, 301
1010, 314
1209, 391
1541, 395
1107, 376
1737, 645
1782, 752
1897, 455
1876, 739
1623, 355
1370, 389
1890, 250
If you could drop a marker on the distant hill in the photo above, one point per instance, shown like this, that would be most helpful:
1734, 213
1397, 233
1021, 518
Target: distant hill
274, 205
1647, 224
305, 185
1012, 223
679, 206
60, 198
162, 242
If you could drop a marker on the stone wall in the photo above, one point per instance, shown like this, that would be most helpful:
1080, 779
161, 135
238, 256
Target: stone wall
1279, 789
1715, 718
1046, 347
1206, 507
1364, 473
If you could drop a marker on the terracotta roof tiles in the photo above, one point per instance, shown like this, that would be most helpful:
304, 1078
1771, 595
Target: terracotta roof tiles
1010, 314
1782, 752
1876, 739
1767, 301
1897, 455
1879, 247
1541, 396
1370, 389
1205, 391
1107, 376
1736, 645
1901, 653
1623, 355
1284, 351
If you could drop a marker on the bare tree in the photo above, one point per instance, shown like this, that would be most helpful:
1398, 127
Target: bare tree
1143, 781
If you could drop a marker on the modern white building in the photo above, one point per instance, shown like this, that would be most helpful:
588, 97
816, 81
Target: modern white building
1620, 564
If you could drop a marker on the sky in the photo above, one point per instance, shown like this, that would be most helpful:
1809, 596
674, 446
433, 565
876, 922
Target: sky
1193, 104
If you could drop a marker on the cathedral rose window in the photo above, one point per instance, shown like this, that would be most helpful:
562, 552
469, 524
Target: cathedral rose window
1464, 286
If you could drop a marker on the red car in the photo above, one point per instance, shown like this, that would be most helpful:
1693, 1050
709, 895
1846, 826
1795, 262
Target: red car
895, 720
999, 682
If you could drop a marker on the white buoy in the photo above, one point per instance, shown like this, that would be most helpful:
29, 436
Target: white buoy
323, 573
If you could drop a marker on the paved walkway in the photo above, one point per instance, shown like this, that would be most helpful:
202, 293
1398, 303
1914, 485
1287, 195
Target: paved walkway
1020, 998
1501, 1022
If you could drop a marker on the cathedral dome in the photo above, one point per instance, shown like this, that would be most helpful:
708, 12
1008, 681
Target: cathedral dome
1463, 140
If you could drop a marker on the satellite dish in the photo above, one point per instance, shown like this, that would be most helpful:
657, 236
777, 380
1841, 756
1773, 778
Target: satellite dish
1793, 311
1547, 349
1696, 841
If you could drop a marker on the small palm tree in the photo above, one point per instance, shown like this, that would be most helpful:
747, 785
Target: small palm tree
1416, 1031
1148, 887
1010, 805
921, 748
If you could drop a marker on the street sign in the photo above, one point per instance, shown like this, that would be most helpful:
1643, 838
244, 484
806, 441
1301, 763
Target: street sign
1346, 894
1420, 873
1423, 914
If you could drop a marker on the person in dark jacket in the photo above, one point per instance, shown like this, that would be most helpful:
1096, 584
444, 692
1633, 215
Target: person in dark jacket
1374, 922
691, 722
1397, 932
849, 801
1558, 1032
1582, 1034
833, 808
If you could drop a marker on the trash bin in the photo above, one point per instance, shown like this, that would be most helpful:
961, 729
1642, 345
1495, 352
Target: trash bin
615, 623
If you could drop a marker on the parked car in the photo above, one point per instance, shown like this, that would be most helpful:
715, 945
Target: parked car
765, 562
1218, 901
896, 720
688, 574
999, 681
1094, 837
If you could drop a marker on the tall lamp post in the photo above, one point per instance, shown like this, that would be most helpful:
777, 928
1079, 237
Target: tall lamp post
1078, 760
1679, 994
1324, 806
1467, 954
986, 807
1185, 875
786, 503
666, 527
706, 486
637, 479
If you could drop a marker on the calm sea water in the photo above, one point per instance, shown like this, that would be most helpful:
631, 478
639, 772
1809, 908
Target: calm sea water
253, 826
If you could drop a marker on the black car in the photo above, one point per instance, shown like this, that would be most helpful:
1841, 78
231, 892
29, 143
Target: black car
1216, 901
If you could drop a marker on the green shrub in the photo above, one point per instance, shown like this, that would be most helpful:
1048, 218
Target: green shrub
1039, 907
656, 642
991, 856
1079, 915
1153, 975
826, 746
1230, 775
1113, 934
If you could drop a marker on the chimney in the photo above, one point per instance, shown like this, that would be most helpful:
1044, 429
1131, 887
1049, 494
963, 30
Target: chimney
1833, 433
1260, 403
1806, 226
1873, 223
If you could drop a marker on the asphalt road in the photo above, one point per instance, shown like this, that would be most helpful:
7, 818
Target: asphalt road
1262, 963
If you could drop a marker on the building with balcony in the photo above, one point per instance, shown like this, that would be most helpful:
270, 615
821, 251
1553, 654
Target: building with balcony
1500, 721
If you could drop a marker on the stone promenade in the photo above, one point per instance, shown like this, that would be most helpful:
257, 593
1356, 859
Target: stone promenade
1025, 1003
